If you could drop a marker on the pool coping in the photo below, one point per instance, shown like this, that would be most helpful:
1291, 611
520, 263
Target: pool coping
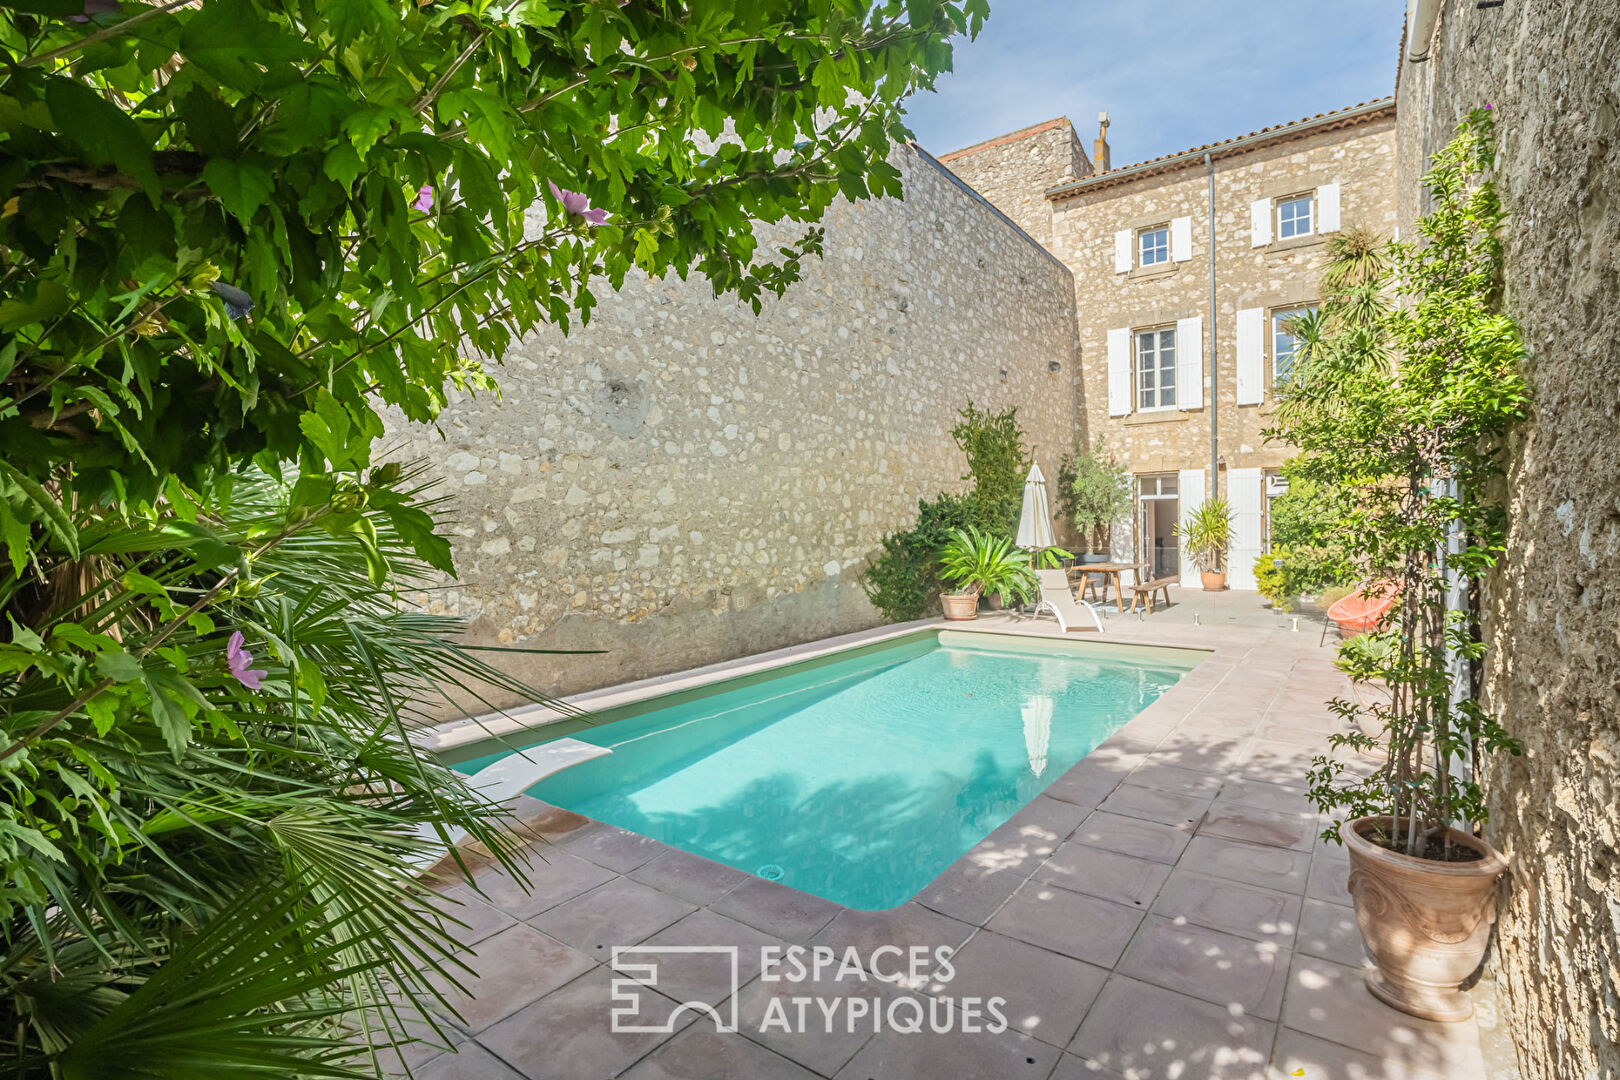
460, 734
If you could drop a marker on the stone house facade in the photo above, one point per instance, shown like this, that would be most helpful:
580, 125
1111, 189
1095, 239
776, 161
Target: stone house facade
1155, 304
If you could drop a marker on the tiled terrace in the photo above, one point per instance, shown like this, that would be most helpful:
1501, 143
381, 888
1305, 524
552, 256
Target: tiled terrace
1163, 910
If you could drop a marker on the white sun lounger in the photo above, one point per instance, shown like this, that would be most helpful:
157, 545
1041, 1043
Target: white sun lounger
510, 777
1071, 614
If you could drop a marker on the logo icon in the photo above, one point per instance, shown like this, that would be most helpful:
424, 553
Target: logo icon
642, 965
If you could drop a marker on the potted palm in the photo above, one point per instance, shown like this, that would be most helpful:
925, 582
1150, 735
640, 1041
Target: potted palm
975, 563
1205, 536
1412, 405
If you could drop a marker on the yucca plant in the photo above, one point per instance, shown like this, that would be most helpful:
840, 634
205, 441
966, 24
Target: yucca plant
977, 563
210, 828
1206, 534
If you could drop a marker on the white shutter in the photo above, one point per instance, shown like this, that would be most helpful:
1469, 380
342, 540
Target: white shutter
1260, 223
1251, 356
1119, 372
1190, 363
1180, 239
1247, 495
1190, 488
1122, 251
1327, 208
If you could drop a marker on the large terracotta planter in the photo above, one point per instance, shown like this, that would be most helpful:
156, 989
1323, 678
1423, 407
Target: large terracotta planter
1214, 580
960, 606
1425, 922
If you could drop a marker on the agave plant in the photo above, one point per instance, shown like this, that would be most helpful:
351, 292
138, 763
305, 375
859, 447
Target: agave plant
975, 562
213, 803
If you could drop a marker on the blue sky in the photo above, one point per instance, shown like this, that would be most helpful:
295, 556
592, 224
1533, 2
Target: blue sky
1171, 73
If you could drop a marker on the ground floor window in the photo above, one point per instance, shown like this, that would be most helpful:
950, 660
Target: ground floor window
1158, 506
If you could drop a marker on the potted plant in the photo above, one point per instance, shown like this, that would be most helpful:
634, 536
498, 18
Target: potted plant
975, 563
1205, 536
1094, 493
1411, 406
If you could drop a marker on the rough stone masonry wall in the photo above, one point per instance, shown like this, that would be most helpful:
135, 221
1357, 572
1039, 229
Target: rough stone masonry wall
1014, 171
1285, 273
1552, 671
681, 482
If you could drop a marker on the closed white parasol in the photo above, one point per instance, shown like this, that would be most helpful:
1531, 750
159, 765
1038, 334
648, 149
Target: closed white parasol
1035, 523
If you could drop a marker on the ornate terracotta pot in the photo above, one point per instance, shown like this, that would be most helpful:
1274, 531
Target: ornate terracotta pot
1214, 580
960, 606
1425, 922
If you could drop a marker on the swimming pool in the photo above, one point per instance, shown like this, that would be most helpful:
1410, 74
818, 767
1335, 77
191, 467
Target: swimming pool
861, 777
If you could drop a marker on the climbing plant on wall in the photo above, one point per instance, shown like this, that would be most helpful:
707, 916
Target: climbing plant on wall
231, 234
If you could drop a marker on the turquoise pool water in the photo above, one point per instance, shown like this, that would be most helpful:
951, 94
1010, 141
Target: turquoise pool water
861, 780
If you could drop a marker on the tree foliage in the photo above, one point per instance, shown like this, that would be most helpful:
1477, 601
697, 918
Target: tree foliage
1415, 445
1094, 491
232, 234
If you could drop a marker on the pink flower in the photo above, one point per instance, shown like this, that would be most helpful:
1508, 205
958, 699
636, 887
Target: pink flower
238, 659
424, 198
578, 204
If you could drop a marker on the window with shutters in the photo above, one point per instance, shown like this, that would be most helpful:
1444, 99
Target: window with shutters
1294, 213
1153, 246
1156, 368
1284, 340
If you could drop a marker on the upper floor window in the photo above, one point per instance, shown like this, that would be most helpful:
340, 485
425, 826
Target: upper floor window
1156, 368
1285, 339
1294, 216
1153, 246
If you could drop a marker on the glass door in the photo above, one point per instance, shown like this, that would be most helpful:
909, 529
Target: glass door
1158, 510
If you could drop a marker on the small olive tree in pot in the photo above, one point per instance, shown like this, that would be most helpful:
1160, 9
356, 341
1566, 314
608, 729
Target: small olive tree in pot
1094, 492
1414, 416
1205, 536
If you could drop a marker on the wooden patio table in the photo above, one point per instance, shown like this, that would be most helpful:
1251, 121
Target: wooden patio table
1108, 570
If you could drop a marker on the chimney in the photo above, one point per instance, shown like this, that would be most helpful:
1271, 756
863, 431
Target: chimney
1099, 149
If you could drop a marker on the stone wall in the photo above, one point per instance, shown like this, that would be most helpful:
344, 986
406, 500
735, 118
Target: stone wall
1014, 171
1552, 670
682, 482
1360, 159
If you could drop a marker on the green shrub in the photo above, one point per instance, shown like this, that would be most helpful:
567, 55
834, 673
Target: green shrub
1271, 579
903, 582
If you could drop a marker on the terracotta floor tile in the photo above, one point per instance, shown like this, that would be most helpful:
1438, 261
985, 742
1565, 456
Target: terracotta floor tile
1068, 922
690, 877
560, 877
701, 1053
515, 967
1152, 804
569, 1033
1329, 931
619, 912
1245, 975
1229, 906
1133, 836
1254, 864
1107, 875
1331, 1002
616, 849
1155, 774
1299, 1055
1256, 826
954, 1055
705, 977
1150, 1033
469, 1062
776, 909
1047, 994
